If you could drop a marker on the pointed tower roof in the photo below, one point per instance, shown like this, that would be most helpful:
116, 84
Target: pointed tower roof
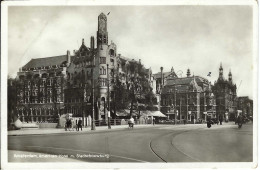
230, 74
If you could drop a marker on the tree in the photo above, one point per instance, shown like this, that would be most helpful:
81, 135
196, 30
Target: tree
137, 89
11, 100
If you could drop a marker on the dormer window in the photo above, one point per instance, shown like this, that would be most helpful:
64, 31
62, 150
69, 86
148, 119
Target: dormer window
111, 52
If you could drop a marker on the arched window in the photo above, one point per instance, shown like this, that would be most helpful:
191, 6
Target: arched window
112, 62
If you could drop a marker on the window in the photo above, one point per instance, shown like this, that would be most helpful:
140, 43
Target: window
112, 62
102, 60
102, 81
111, 52
102, 71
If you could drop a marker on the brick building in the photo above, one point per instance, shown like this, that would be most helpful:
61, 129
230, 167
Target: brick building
51, 86
226, 96
245, 105
190, 98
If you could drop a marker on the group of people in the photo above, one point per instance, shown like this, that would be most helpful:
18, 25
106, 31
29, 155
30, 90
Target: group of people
239, 121
69, 125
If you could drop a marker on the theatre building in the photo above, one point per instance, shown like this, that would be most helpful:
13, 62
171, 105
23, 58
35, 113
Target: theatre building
190, 98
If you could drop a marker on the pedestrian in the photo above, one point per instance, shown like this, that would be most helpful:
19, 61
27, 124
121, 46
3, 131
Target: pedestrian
79, 125
69, 124
131, 122
208, 122
220, 120
184, 121
153, 121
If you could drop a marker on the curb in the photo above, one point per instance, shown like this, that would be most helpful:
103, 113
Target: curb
77, 132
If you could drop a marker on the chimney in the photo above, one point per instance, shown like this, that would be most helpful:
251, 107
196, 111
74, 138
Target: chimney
172, 70
83, 41
92, 42
162, 82
68, 57
188, 72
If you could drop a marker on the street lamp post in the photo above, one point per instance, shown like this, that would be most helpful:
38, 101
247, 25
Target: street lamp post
108, 99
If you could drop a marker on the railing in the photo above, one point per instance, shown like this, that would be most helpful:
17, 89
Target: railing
182, 121
113, 122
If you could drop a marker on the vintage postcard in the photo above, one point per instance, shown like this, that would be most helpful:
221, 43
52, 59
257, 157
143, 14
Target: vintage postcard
129, 84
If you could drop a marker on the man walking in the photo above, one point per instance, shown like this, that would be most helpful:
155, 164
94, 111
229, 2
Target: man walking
153, 121
79, 125
220, 119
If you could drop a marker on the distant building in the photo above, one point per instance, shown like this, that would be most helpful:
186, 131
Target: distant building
159, 80
51, 86
245, 105
189, 98
226, 96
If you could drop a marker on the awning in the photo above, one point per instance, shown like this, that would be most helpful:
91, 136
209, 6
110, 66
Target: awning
157, 114
126, 112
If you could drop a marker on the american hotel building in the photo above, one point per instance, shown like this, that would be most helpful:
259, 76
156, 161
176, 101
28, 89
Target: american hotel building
51, 86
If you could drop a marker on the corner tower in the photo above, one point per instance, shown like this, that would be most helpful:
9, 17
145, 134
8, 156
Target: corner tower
102, 34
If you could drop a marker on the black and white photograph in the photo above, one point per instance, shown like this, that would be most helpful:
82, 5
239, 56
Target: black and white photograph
129, 85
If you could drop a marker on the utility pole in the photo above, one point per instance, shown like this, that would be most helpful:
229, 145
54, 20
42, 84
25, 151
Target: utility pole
175, 110
108, 99
93, 100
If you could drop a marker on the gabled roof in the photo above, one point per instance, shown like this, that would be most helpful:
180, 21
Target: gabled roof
184, 84
195, 86
185, 80
165, 74
125, 59
178, 88
87, 57
47, 61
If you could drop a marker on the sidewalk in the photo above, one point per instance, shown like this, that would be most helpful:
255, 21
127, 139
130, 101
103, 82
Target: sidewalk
45, 131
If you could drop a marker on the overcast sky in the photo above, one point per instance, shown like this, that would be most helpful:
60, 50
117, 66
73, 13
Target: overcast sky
182, 37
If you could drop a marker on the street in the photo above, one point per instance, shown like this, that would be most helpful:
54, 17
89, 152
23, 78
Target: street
159, 143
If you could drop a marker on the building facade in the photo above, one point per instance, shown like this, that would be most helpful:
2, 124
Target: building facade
189, 98
226, 96
51, 86
245, 105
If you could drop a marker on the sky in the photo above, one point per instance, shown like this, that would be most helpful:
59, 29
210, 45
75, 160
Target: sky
182, 37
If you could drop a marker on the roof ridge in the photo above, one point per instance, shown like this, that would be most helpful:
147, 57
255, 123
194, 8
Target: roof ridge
48, 57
